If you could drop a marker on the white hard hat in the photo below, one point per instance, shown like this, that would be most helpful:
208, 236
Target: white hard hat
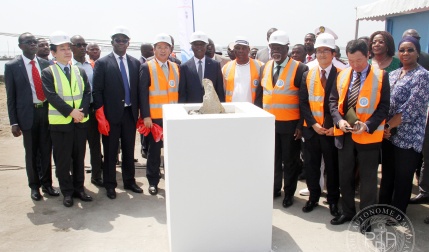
199, 36
59, 38
323, 29
325, 39
240, 40
121, 30
163, 37
218, 48
279, 37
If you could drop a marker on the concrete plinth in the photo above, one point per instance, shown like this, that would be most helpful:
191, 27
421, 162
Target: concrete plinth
235, 149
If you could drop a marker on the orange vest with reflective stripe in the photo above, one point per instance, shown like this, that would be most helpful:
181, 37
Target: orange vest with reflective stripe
316, 95
161, 90
281, 100
229, 72
367, 102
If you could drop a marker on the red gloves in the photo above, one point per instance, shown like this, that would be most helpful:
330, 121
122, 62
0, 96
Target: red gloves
156, 130
103, 124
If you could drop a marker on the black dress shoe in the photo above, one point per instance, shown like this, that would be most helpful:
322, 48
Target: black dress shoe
153, 190
277, 194
68, 201
309, 206
420, 199
50, 190
340, 220
82, 196
134, 188
333, 208
111, 193
98, 182
287, 201
35, 194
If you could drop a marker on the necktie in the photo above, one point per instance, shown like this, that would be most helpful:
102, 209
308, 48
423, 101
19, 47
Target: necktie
276, 75
165, 70
354, 92
308, 59
67, 72
125, 81
323, 79
200, 71
37, 81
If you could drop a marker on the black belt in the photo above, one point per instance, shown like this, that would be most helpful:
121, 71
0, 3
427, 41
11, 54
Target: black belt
40, 105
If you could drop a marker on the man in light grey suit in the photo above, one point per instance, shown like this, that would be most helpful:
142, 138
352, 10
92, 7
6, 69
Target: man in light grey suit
211, 49
264, 54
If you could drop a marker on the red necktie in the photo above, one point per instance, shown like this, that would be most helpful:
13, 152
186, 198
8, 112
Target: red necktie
323, 79
37, 82
308, 59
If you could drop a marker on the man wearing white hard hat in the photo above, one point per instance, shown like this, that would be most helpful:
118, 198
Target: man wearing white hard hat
68, 92
199, 67
318, 130
241, 76
159, 84
277, 93
116, 100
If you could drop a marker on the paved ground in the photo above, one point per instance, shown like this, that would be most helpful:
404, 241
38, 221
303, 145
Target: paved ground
135, 222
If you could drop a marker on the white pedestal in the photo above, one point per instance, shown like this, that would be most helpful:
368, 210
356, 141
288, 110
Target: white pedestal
219, 178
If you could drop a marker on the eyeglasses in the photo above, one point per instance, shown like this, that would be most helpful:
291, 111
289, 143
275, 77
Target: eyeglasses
119, 41
381, 42
409, 50
326, 51
30, 42
80, 44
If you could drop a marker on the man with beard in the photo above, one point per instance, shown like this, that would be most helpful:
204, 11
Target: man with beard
309, 40
277, 93
43, 49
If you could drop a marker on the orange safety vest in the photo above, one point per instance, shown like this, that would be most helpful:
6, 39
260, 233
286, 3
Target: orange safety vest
229, 72
161, 90
316, 95
367, 102
281, 100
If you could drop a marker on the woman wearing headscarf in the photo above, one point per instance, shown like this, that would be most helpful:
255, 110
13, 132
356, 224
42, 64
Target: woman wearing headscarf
382, 48
405, 126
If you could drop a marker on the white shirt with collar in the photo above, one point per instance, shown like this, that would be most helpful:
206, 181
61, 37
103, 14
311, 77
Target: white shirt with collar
87, 67
312, 58
328, 70
28, 68
124, 59
203, 63
163, 63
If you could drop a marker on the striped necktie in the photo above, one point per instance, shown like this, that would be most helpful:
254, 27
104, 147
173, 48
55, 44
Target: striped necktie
354, 93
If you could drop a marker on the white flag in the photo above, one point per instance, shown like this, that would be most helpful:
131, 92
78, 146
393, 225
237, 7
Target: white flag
185, 11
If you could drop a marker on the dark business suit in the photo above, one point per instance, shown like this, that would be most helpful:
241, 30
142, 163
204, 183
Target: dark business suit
366, 155
316, 145
286, 147
108, 91
68, 140
32, 121
191, 89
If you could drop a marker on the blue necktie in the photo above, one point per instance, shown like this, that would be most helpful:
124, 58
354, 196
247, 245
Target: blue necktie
125, 81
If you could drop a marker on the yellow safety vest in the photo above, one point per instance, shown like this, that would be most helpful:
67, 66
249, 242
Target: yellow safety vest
71, 93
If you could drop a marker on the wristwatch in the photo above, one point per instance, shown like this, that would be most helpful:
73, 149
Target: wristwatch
386, 126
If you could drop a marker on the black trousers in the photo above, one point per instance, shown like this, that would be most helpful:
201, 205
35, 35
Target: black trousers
126, 131
153, 157
316, 147
38, 140
287, 152
398, 167
69, 149
94, 142
366, 159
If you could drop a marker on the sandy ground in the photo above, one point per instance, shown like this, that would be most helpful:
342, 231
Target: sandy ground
4, 119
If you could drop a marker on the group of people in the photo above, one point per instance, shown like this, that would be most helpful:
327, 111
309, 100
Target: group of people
352, 116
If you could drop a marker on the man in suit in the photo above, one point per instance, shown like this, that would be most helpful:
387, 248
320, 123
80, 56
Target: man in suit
116, 100
199, 67
359, 104
28, 113
277, 93
241, 76
318, 130
159, 82
146, 50
68, 92
78, 47
309, 40
264, 55
172, 56
214, 56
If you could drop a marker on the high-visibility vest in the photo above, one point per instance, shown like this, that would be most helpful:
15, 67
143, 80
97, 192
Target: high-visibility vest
229, 72
316, 95
367, 102
281, 100
161, 90
71, 93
